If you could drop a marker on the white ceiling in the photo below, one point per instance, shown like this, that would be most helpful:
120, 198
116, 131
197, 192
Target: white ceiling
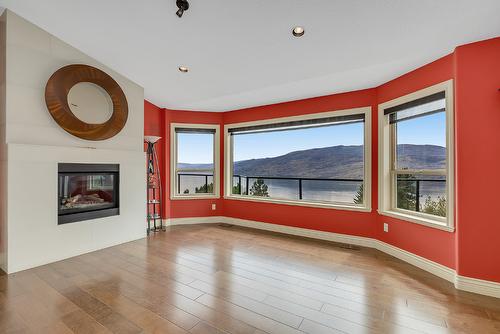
242, 53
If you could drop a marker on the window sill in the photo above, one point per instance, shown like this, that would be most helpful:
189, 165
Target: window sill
418, 220
300, 203
193, 197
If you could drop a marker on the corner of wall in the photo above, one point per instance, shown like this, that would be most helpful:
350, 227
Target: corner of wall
3, 146
477, 120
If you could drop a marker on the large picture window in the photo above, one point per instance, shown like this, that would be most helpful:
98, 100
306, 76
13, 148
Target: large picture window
194, 161
417, 177
318, 160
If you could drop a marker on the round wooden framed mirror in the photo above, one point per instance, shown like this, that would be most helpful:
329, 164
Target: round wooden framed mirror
86, 102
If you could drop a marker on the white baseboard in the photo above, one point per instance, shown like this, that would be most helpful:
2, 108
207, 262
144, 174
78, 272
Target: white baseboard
302, 232
193, 220
482, 287
418, 261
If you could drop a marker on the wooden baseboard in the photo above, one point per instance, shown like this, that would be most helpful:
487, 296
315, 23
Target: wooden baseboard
478, 286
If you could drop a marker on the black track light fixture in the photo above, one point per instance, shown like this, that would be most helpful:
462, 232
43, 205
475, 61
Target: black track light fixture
183, 6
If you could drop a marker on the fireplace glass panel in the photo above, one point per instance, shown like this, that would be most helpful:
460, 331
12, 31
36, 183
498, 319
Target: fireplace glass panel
86, 192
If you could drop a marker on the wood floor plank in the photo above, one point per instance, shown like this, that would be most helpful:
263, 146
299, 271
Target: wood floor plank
270, 290
141, 316
138, 256
257, 307
174, 307
204, 328
96, 309
219, 287
247, 260
207, 279
258, 321
291, 272
154, 273
217, 317
312, 327
11, 322
41, 292
255, 286
348, 322
81, 323
150, 295
334, 288
337, 291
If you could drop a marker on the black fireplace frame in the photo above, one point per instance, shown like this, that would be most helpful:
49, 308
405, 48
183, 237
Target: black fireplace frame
82, 168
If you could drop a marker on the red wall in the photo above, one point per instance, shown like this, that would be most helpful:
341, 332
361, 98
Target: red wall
199, 207
472, 249
330, 220
431, 243
478, 159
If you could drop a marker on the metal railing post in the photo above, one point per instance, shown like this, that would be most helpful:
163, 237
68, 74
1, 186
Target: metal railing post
300, 188
206, 183
417, 193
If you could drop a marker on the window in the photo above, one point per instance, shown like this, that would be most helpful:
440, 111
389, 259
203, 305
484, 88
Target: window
313, 160
195, 156
416, 162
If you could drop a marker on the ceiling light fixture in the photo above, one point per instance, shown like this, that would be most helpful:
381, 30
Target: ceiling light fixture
183, 5
183, 69
298, 31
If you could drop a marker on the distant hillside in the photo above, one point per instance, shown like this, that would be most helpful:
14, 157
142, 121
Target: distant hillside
336, 161
421, 156
333, 162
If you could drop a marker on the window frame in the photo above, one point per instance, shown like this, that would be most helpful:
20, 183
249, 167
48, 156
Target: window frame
387, 205
173, 161
367, 184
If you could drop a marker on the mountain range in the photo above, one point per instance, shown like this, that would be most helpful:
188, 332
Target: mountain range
333, 162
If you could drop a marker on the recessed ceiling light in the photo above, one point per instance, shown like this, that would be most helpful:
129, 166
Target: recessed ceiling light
183, 5
183, 69
298, 31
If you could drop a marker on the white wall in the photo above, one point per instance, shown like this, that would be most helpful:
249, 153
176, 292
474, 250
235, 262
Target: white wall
33, 56
35, 144
34, 236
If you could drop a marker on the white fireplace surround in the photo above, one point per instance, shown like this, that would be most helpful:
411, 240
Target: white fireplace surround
32, 145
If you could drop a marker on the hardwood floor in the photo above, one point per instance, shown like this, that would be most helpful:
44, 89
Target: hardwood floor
216, 279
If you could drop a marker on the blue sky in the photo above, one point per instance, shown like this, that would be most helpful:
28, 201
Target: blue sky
195, 148
198, 148
272, 144
429, 130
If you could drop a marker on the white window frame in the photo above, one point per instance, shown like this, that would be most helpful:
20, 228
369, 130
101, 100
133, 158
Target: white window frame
173, 161
387, 188
228, 161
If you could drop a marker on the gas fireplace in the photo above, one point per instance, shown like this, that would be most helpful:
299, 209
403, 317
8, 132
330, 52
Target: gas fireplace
87, 191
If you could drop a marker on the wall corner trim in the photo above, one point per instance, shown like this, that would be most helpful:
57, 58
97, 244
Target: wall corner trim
468, 284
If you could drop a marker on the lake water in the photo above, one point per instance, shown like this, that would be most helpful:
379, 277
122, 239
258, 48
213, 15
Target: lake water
325, 191
333, 191
322, 191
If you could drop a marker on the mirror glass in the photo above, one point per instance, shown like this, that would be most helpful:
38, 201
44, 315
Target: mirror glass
90, 103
